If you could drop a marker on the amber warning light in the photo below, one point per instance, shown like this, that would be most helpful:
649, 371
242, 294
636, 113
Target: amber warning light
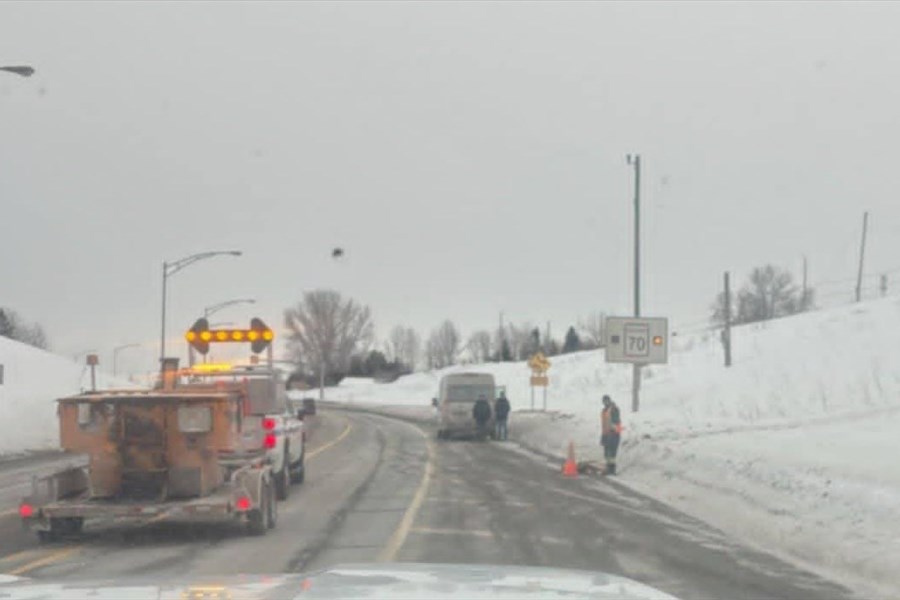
200, 336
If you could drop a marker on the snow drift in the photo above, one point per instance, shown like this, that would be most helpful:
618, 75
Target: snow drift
33, 379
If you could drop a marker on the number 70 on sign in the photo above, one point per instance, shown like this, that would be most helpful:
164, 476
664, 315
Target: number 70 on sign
637, 340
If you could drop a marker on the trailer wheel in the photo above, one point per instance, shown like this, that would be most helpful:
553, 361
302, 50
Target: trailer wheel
258, 518
61, 528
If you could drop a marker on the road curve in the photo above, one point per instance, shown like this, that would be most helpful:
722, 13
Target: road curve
380, 489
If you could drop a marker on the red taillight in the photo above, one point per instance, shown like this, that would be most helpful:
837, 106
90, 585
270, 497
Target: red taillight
243, 503
26, 511
270, 441
268, 424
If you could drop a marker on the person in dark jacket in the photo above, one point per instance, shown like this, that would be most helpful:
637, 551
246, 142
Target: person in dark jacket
501, 414
481, 412
610, 433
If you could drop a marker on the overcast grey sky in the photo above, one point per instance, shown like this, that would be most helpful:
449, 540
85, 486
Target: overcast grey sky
470, 157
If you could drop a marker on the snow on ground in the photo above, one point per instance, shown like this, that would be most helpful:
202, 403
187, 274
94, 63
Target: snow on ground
794, 448
32, 380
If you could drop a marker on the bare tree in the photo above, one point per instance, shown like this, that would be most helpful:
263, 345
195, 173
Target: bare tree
413, 348
327, 330
395, 347
404, 346
479, 346
433, 359
443, 345
520, 340
769, 293
592, 332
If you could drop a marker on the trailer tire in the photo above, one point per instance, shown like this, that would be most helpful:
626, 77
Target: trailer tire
258, 518
61, 528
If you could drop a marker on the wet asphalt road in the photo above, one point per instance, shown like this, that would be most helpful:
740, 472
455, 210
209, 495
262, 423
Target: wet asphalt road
380, 489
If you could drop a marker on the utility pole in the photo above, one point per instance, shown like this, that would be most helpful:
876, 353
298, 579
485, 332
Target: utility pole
883, 286
635, 161
862, 255
726, 333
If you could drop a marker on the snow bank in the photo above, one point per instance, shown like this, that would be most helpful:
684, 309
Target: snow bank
32, 380
793, 449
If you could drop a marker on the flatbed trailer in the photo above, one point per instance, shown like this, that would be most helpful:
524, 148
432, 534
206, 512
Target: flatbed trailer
60, 504
168, 454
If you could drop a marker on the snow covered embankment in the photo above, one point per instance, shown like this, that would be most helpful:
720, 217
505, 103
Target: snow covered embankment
792, 449
32, 380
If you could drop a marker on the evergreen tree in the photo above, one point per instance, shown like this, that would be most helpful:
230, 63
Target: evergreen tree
7, 327
572, 343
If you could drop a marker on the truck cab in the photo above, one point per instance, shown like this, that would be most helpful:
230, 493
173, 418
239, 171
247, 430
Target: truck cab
281, 428
272, 417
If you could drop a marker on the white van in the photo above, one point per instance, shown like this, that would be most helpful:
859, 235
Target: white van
456, 400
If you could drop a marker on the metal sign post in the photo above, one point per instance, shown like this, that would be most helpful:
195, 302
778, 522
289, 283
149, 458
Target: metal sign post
539, 366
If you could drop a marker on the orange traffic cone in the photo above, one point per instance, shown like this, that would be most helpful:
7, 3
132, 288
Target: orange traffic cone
570, 467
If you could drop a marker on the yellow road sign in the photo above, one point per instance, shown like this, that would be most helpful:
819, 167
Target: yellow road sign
539, 363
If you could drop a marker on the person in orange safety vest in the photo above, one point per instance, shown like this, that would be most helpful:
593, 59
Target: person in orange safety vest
610, 433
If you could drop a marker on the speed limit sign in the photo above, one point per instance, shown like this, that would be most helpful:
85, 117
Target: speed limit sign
637, 340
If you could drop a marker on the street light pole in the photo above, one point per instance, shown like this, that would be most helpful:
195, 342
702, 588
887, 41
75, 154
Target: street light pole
635, 161
169, 269
211, 310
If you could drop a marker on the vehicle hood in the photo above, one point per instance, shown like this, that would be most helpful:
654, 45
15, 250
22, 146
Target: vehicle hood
394, 581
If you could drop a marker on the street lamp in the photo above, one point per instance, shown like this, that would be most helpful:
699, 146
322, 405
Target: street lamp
22, 70
211, 310
169, 269
116, 351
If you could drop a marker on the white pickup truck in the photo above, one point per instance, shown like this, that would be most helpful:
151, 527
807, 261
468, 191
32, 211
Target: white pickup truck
283, 433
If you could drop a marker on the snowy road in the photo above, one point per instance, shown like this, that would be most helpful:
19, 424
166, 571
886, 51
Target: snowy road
379, 489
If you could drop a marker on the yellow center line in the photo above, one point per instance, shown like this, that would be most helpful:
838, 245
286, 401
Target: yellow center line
484, 533
50, 558
392, 548
18, 555
331, 443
